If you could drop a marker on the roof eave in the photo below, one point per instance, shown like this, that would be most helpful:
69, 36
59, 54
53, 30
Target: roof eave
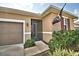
16, 11
51, 6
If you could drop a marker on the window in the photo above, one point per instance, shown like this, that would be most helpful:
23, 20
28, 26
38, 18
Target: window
65, 24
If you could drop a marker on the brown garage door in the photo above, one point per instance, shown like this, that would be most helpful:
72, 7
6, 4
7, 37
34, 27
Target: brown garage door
11, 33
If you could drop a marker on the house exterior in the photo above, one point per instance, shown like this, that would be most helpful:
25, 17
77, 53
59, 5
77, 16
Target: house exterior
33, 25
76, 24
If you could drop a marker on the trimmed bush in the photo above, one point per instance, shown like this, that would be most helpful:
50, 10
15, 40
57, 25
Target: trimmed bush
64, 40
29, 43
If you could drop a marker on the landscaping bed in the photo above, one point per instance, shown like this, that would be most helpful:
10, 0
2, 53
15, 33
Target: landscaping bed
29, 43
64, 43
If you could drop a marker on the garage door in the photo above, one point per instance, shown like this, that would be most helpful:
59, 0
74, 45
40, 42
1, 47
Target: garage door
11, 33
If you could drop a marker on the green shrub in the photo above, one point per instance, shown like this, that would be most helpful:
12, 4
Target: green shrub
64, 39
63, 52
29, 43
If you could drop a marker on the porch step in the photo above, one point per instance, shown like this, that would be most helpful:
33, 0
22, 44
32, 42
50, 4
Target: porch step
41, 45
36, 50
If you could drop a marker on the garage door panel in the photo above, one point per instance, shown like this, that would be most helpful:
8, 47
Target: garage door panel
11, 33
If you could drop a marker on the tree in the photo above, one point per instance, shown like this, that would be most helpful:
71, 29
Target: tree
58, 18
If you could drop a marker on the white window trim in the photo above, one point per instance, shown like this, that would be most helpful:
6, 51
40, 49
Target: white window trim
65, 22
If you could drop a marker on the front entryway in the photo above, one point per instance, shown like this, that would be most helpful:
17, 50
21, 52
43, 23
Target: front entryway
36, 29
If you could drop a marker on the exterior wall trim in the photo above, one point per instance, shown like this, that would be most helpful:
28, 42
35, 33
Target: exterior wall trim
27, 33
47, 32
11, 20
76, 26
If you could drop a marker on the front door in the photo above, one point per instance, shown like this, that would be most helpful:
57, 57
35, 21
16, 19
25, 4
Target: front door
36, 31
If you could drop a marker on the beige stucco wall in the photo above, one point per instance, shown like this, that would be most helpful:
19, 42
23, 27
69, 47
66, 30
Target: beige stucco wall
47, 23
48, 27
71, 24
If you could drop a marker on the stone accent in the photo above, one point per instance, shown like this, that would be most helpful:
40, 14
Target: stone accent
36, 50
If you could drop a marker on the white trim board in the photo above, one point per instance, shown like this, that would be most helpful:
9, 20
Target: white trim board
47, 32
27, 33
76, 25
42, 32
11, 20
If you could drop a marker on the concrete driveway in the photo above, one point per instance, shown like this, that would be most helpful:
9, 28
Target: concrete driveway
12, 50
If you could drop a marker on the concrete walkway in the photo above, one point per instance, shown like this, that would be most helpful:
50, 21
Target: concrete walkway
36, 50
